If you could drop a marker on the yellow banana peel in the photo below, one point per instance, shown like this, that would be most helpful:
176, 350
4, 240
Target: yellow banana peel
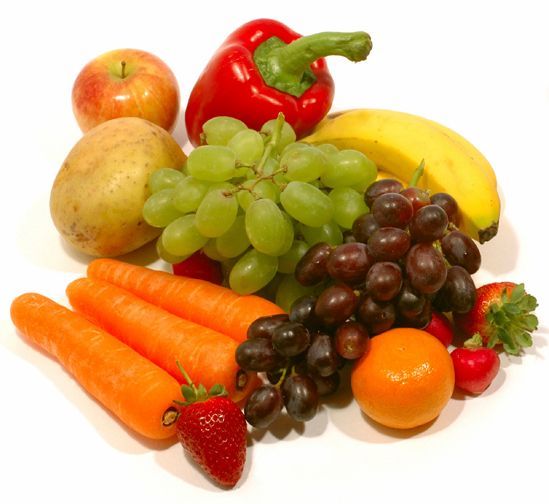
397, 142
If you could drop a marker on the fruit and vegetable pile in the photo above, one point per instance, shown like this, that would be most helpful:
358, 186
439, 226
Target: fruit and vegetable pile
301, 241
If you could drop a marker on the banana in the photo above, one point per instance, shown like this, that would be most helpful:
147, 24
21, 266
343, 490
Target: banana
397, 142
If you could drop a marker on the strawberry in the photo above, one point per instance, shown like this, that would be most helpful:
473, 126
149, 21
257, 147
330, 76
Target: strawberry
475, 367
199, 265
441, 328
212, 430
502, 314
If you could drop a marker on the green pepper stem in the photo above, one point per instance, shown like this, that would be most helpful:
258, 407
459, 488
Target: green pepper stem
286, 66
295, 58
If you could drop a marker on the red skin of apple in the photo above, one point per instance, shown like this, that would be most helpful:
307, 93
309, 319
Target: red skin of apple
126, 83
475, 368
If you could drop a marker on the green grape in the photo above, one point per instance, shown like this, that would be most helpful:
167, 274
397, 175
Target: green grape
212, 163
221, 186
158, 210
287, 262
210, 249
293, 146
348, 205
262, 189
219, 130
289, 290
164, 178
287, 135
271, 165
328, 149
252, 272
244, 172
307, 204
235, 241
216, 213
305, 164
181, 238
330, 233
189, 193
266, 226
247, 145
288, 236
349, 168
165, 255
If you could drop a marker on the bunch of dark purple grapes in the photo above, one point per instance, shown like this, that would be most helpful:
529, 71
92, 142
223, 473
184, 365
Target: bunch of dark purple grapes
301, 358
401, 260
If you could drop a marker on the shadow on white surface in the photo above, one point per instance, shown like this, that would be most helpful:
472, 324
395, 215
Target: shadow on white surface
42, 246
499, 255
346, 415
107, 425
496, 384
179, 464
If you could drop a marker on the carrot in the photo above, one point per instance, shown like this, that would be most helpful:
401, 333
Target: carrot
164, 338
134, 389
196, 300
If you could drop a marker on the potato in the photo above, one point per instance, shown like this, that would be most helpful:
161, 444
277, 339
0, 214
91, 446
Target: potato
97, 198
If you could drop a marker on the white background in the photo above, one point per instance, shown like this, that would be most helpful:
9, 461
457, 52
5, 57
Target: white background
478, 67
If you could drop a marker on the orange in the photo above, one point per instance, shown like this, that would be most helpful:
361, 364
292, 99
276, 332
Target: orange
405, 378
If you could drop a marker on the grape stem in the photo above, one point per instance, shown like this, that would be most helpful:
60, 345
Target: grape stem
258, 169
272, 143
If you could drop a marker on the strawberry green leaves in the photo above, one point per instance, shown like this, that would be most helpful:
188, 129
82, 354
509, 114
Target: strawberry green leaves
513, 320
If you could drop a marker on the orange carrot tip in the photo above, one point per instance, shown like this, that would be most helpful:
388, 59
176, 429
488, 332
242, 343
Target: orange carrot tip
135, 390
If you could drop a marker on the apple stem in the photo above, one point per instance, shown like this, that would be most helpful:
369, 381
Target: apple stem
123, 72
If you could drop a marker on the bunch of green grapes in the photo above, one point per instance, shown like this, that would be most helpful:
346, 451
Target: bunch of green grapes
257, 201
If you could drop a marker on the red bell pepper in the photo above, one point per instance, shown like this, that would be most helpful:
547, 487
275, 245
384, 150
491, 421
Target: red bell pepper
264, 68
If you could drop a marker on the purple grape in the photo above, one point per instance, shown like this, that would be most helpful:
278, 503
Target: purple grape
351, 340
263, 327
363, 227
327, 384
425, 268
458, 294
258, 355
450, 206
383, 281
300, 396
349, 263
291, 339
389, 244
428, 224
263, 406
322, 358
376, 316
409, 302
460, 250
418, 320
303, 311
335, 304
416, 196
392, 210
311, 268
380, 187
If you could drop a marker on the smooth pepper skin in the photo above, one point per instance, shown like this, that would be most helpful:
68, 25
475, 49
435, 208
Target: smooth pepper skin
231, 85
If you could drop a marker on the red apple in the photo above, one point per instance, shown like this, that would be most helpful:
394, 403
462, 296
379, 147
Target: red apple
126, 83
